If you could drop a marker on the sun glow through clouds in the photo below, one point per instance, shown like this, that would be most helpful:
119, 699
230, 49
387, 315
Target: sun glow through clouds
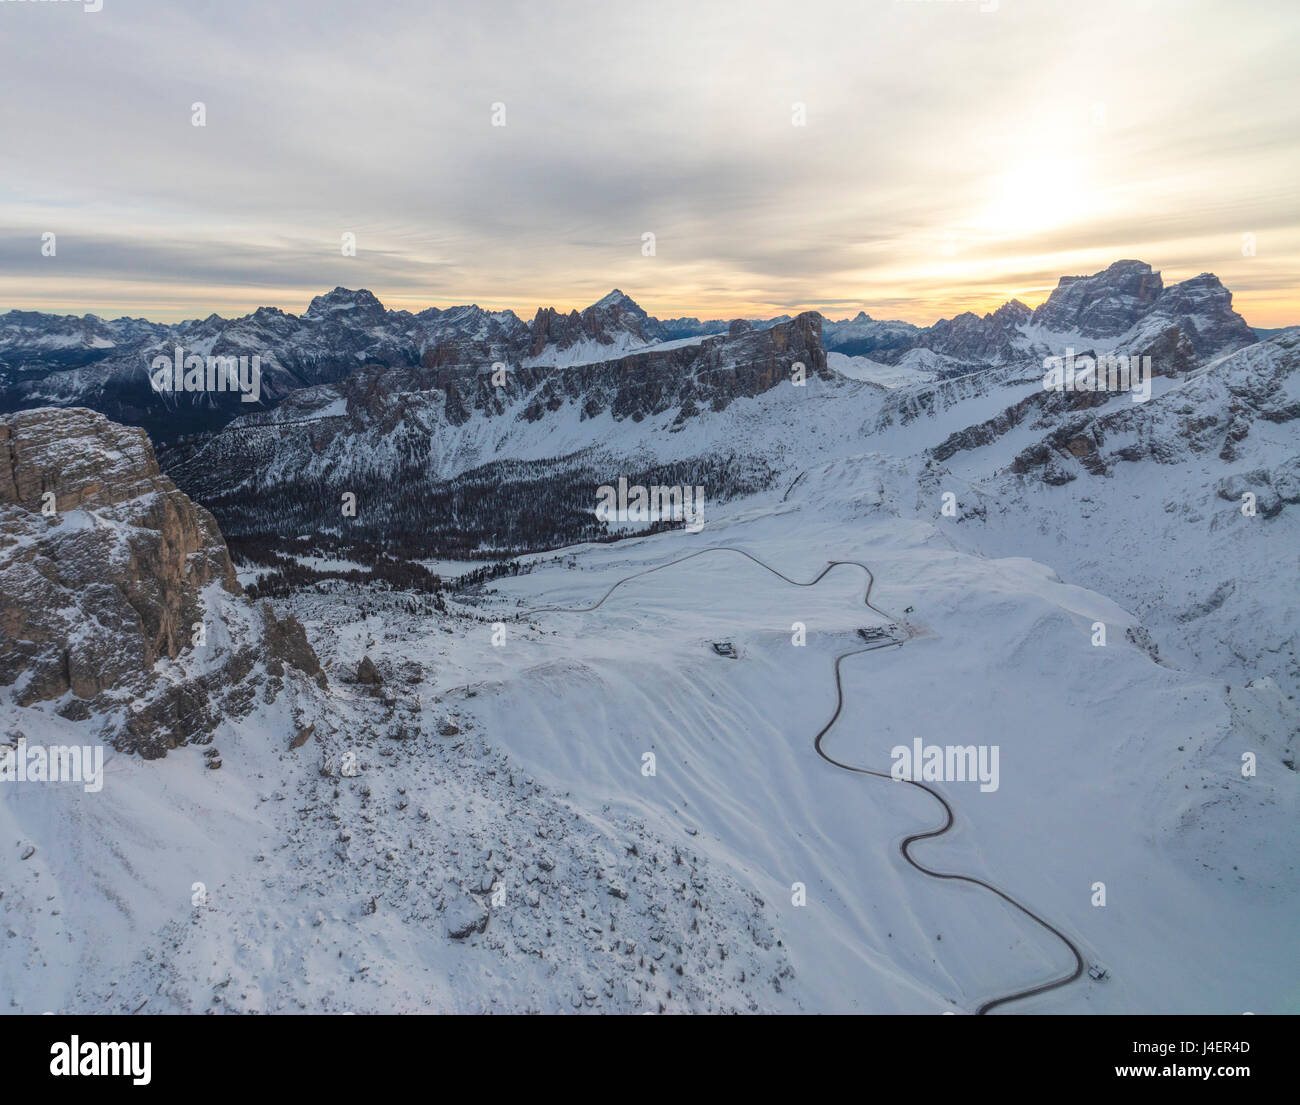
1037, 195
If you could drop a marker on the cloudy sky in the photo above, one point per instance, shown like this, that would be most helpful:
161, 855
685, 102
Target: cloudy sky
951, 158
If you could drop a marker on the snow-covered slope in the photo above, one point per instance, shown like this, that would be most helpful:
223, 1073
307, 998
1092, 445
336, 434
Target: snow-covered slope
1148, 502
324, 890
912, 369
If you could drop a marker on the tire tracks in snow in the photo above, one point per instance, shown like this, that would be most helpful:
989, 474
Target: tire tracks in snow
906, 844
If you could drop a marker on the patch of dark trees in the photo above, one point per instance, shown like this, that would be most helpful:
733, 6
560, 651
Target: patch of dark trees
492, 513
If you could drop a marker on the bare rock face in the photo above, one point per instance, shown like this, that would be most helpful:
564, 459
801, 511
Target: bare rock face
742, 363
1172, 353
1202, 308
970, 338
103, 558
1104, 304
602, 322
106, 570
1129, 296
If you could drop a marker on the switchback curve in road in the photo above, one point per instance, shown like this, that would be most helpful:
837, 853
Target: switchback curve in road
906, 845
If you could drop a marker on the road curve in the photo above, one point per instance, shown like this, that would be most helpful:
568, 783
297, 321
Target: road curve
949, 818
905, 846
691, 556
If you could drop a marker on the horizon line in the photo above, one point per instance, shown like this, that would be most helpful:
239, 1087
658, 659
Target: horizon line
498, 306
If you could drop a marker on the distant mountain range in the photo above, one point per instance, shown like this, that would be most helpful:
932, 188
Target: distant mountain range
53, 360
473, 434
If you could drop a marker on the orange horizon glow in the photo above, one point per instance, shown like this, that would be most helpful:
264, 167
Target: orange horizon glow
1265, 309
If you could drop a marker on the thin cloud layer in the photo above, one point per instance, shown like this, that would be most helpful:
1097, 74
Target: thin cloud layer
951, 157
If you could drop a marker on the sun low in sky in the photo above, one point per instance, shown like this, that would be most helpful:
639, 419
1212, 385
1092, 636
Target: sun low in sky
911, 159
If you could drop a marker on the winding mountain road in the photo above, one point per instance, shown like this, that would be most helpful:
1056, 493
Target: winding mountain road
906, 845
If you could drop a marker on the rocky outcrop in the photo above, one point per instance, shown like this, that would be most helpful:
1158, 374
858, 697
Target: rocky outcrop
286, 644
713, 372
983, 433
1211, 414
108, 572
95, 538
1202, 308
985, 340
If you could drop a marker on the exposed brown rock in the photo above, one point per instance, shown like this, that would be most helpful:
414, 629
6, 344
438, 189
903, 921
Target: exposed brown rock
82, 607
106, 569
367, 673
286, 641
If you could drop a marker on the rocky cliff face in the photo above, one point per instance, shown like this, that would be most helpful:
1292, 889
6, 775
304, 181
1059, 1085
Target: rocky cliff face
716, 371
1104, 304
447, 414
972, 339
117, 590
1130, 300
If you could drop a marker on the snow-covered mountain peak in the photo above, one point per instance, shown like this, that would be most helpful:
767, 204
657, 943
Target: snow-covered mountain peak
1011, 313
616, 298
345, 299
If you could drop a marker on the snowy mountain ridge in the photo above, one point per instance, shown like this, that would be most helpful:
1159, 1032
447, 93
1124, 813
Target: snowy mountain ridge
69, 361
